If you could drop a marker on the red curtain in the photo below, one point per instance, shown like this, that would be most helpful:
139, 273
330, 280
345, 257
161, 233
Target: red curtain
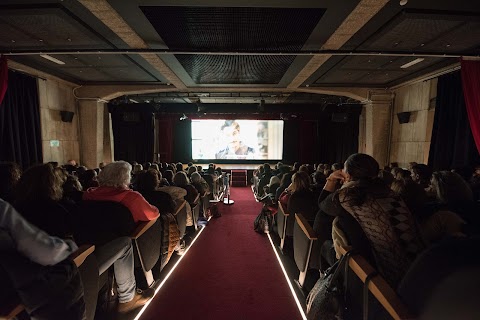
471, 91
3, 77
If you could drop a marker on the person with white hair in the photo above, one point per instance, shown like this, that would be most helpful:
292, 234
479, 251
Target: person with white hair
114, 182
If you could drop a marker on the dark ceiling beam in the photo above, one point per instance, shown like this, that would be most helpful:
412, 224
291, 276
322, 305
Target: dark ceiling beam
105, 13
363, 13
319, 53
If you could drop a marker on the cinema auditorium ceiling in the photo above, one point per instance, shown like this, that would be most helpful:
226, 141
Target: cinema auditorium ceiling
269, 48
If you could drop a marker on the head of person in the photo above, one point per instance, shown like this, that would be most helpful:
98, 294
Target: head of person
386, 177
39, 183
116, 174
421, 173
196, 178
278, 165
10, 174
411, 165
179, 166
267, 169
319, 178
72, 184
274, 180
147, 181
72, 162
180, 179
300, 181
211, 170
154, 166
199, 169
231, 131
450, 187
360, 166
137, 168
296, 166
101, 165
189, 164
303, 168
169, 176
286, 179
397, 173
337, 166
147, 165
88, 177
412, 193
218, 171
191, 170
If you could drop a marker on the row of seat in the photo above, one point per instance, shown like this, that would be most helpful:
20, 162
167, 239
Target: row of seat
305, 249
146, 242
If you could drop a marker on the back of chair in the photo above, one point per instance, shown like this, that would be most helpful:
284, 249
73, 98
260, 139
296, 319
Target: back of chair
147, 241
99, 222
282, 219
181, 217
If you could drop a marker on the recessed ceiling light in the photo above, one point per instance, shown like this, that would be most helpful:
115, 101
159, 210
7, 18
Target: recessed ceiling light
50, 58
403, 2
13, 41
448, 46
41, 40
69, 40
411, 63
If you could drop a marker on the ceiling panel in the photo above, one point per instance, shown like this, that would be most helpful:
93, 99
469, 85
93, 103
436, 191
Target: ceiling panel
212, 69
92, 68
44, 28
234, 29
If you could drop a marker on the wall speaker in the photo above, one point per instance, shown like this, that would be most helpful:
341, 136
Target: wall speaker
403, 117
339, 117
67, 116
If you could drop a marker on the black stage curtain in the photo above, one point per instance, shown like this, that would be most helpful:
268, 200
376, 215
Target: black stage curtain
20, 133
452, 144
133, 135
321, 140
182, 141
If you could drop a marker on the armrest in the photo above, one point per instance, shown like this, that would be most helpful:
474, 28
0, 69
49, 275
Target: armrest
306, 228
141, 228
81, 254
378, 287
282, 209
11, 311
180, 207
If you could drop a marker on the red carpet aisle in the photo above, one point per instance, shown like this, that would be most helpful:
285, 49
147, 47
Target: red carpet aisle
230, 273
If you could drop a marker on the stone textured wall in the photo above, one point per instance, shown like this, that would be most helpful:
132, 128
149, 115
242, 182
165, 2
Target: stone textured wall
411, 141
55, 96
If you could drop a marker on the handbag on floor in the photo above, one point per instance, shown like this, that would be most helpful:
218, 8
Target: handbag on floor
213, 211
326, 300
263, 222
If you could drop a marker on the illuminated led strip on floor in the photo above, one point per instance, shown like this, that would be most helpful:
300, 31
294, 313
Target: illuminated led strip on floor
299, 305
169, 274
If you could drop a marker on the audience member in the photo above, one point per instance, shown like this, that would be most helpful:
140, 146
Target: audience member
46, 281
10, 174
114, 183
363, 206
200, 184
39, 192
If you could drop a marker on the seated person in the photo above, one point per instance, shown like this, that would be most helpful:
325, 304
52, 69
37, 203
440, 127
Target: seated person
181, 180
9, 176
39, 193
47, 283
302, 199
88, 179
364, 206
200, 184
114, 182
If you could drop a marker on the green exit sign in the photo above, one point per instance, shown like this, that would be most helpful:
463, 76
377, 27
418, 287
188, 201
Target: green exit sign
54, 143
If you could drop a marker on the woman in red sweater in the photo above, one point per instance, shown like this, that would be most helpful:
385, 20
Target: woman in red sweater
114, 182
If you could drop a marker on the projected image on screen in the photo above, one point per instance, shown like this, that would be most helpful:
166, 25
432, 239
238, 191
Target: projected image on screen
237, 139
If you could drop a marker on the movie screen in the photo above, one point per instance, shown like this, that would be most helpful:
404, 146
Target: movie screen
237, 139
